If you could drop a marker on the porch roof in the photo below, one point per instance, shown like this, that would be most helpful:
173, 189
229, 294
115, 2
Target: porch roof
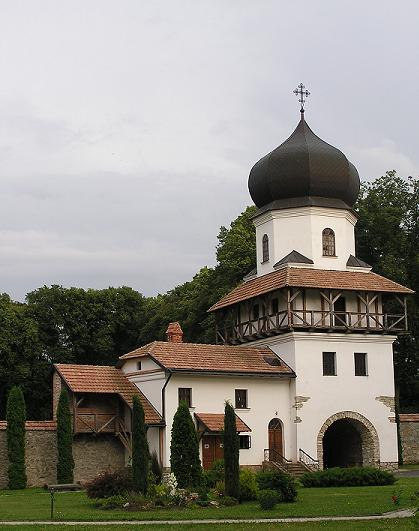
214, 422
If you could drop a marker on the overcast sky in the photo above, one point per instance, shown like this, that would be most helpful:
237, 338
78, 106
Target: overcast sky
128, 127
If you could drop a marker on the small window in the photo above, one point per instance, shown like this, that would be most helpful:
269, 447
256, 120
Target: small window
185, 395
255, 312
241, 398
328, 240
265, 248
329, 363
138, 365
360, 364
274, 305
244, 442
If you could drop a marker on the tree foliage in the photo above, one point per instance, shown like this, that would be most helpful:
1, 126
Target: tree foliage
65, 461
184, 449
140, 452
16, 417
231, 453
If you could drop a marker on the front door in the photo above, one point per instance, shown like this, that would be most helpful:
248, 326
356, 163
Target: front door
275, 439
212, 450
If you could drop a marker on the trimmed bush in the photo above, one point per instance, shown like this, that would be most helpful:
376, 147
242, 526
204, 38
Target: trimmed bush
248, 485
214, 474
110, 484
140, 453
65, 461
268, 498
16, 417
282, 483
231, 453
348, 477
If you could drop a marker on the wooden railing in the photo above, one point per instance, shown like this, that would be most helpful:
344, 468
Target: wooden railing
95, 422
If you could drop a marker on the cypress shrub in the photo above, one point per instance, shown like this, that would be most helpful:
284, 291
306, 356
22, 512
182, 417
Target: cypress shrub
140, 453
16, 417
65, 461
184, 449
231, 453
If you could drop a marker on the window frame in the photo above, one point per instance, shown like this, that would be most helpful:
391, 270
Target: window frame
242, 445
328, 242
189, 399
324, 364
265, 248
365, 363
237, 400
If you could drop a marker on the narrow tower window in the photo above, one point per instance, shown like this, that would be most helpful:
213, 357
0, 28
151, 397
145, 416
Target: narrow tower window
328, 239
265, 248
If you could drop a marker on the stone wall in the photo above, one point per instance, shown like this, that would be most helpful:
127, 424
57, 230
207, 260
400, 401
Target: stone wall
409, 437
92, 454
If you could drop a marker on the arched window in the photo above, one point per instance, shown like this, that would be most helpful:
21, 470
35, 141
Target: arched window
328, 240
265, 248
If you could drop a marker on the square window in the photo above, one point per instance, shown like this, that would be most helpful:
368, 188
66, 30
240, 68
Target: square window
360, 359
244, 442
185, 395
241, 398
329, 363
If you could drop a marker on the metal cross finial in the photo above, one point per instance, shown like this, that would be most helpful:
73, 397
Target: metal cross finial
302, 95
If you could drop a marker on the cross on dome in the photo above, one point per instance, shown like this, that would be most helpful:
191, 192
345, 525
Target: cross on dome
302, 95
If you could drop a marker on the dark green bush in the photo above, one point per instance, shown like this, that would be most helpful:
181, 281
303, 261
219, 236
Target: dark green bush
110, 484
347, 477
214, 474
268, 498
282, 483
248, 485
156, 467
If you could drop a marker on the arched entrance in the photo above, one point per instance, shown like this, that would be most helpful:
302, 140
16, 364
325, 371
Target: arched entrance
347, 439
275, 438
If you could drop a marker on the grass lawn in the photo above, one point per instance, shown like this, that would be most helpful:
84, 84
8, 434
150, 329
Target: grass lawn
34, 504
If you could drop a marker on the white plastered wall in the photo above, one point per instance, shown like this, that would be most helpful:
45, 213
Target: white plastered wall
150, 380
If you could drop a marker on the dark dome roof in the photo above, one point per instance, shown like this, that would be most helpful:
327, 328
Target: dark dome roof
307, 168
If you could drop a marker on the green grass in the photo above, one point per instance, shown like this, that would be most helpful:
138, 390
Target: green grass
34, 504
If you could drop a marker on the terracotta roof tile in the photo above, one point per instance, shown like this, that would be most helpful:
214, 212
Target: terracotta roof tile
309, 278
409, 417
105, 379
215, 422
211, 358
34, 425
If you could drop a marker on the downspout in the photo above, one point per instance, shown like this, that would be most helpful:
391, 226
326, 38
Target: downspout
163, 407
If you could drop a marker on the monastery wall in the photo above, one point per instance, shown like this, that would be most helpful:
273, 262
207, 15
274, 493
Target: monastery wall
409, 436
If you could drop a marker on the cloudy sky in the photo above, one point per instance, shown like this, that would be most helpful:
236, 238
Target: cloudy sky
128, 127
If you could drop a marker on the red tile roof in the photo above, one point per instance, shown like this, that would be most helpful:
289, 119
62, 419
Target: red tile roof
310, 278
197, 357
34, 425
215, 422
108, 380
409, 417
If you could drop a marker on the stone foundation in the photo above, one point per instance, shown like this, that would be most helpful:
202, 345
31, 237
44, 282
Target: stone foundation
390, 466
92, 455
409, 437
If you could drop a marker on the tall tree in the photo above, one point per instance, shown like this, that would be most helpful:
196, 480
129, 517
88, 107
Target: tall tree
184, 449
65, 461
16, 417
231, 453
140, 452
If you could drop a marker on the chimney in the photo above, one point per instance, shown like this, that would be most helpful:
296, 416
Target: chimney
174, 333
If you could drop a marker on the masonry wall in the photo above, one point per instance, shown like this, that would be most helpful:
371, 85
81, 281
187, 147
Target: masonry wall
409, 436
92, 455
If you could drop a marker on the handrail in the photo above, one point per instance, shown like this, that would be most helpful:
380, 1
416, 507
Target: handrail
272, 455
305, 458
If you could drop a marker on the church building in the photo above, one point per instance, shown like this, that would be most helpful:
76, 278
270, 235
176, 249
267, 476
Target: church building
303, 346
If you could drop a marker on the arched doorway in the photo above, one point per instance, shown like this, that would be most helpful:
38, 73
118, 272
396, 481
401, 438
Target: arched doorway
275, 438
347, 439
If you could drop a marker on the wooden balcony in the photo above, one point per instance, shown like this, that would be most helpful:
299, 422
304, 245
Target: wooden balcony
309, 320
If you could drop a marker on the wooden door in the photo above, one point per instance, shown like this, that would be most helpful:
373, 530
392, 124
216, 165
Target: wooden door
212, 449
275, 438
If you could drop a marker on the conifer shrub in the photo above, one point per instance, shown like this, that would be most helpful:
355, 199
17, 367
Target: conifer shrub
248, 485
156, 467
110, 484
140, 452
268, 498
65, 461
348, 477
16, 418
184, 449
282, 483
231, 453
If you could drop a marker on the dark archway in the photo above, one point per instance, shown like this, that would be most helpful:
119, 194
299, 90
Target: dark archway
342, 445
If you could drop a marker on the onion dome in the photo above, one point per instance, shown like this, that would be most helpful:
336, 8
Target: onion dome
303, 171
